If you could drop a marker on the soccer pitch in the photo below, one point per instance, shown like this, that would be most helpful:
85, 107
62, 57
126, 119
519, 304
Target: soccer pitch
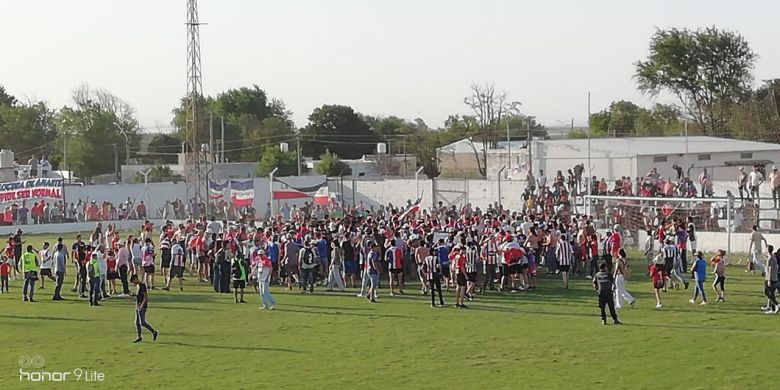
551, 338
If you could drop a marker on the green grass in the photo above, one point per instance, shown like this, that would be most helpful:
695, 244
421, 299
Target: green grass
548, 339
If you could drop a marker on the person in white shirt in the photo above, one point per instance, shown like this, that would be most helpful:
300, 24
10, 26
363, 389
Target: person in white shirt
103, 269
177, 266
774, 181
541, 181
214, 227
45, 259
754, 180
44, 166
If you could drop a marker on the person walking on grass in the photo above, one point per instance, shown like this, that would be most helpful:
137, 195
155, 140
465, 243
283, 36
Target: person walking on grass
372, 267
771, 282
60, 263
461, 280
147, 261
141, 305
45, 260
307, 262
239, 274
431, 271
5, 270
603, 282
264, 270
699, 270
93, 272
394, 257
719, 270
565, 256
177, 266
336, 265
30, 264
657, 277
621, 274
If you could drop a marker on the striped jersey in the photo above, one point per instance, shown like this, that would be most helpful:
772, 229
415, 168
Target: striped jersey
669, 251
564, 253
490, 252
472, 254
165, 244
430, 267
177, 256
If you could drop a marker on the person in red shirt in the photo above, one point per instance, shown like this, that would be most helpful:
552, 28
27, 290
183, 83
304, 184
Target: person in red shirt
5, 270
616, 242
461, 279
657, 277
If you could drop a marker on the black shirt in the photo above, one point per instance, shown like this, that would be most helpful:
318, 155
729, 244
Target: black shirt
141, 297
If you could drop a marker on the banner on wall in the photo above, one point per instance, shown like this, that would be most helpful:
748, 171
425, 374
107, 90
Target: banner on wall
242, 192
42, 188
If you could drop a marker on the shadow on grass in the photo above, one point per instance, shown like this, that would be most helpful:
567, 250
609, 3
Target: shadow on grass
228, 347
342, 313
326, 307
46, 318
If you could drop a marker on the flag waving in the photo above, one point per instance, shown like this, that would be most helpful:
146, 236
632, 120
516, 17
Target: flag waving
217, 189
242, 192
413, 209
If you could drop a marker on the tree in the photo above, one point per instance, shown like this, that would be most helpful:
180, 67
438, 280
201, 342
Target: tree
162, 148
28, 129
701, 68
272, 157
339, 129
93, 126
5, 98
331, 165
257, 134
489, 108
159, 173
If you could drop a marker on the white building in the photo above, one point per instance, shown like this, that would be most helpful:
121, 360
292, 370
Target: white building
612, 158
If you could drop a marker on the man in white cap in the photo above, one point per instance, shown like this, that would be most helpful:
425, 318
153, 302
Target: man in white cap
774, 181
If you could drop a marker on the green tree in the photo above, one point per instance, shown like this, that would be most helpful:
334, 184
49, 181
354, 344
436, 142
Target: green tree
340, 129
162, 148
6, 99
93, 126
272, 157
28, 129
701, 68
257, 134
331, 165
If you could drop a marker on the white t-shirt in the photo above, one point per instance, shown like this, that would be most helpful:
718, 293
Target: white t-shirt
755, 178
45, 257
135, 249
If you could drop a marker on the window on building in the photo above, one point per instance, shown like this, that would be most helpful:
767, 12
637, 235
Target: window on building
704, 157
746, 156
659, 159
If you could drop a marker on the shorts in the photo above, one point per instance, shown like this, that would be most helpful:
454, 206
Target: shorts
471, 276
239, 284
564, 268
203, 260
291, 269
445, 269
504, 270
668, 266
46, 272
149, 269
420, 272
523, 267
165, 261
658, 284
137, 261
177, 272
461, 279
350, 267
112, 275
693, 245
396, 271
514, 269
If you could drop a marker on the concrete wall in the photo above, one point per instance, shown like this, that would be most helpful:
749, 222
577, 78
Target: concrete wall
81, 227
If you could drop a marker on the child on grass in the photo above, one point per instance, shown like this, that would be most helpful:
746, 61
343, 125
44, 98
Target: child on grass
5, 270
719, 270
657, 277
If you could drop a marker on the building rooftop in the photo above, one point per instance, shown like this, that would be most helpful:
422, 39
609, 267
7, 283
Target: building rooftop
632, 146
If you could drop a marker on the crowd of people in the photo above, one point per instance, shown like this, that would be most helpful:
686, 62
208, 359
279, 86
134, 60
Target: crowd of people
467, 249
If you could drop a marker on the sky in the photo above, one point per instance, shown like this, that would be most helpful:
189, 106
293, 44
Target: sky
409, 58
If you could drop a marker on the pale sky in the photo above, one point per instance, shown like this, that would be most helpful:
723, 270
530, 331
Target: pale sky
410, 58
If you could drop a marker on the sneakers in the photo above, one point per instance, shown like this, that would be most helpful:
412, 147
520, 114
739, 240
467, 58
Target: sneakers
686, 285
691, 301
658, 306
703, 303
155, 334
138, 340
618, 322
632, 303
603, 322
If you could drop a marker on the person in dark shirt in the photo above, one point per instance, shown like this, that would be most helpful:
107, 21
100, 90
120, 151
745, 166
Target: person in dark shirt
141, 304
603, 282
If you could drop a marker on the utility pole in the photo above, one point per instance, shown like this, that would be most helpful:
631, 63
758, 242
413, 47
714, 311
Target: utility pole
298, 142
65, 155
530, 155
508, 147
210, 154
222, 143
404, 145
116, 162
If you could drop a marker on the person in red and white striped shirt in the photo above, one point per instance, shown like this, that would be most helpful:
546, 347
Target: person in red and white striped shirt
177, 266
489, 259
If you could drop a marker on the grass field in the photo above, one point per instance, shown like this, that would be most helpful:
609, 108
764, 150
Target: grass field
548, 339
